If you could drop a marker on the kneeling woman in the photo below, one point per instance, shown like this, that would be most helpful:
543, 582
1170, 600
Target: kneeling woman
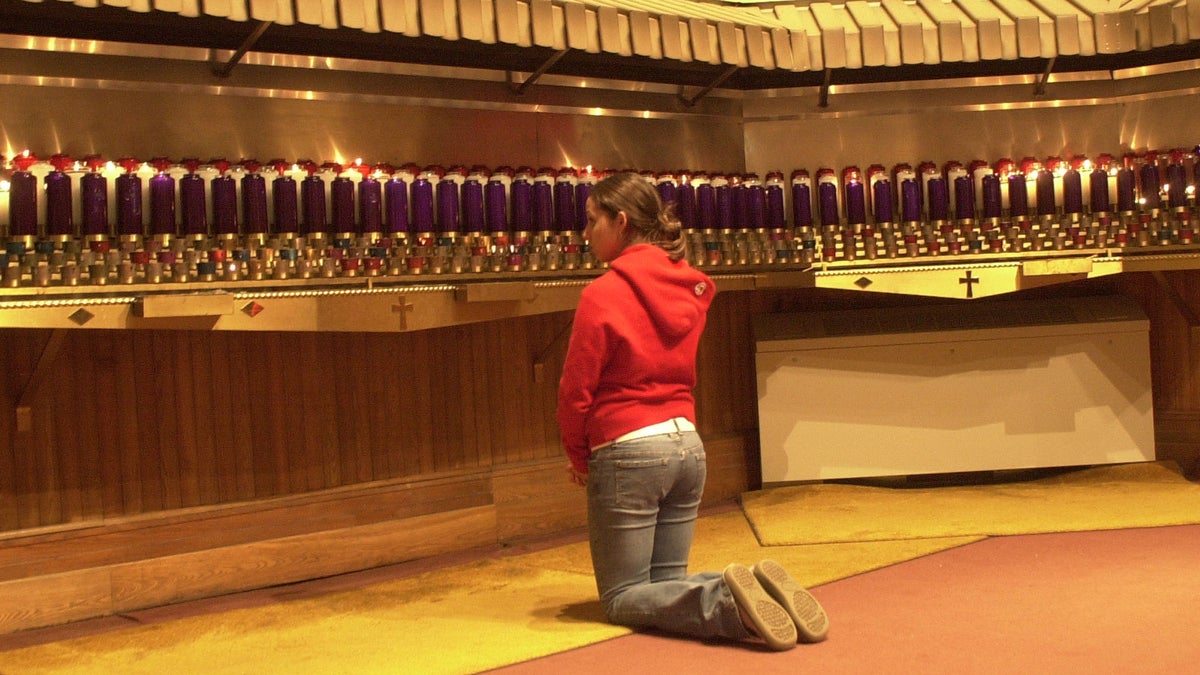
627, 417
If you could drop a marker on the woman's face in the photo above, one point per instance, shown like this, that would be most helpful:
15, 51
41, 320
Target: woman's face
605, 233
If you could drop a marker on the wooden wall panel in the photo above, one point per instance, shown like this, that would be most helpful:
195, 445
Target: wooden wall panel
1174, 311
144, 421
139, 422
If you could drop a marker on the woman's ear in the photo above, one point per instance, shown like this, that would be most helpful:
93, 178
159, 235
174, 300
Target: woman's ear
622, 223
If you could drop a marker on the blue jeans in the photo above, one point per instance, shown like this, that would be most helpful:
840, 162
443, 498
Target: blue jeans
643, 496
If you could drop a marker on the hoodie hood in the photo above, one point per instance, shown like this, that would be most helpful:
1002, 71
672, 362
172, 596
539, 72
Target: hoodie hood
674, 294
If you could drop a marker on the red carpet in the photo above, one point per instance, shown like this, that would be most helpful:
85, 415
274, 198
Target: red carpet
1117, 601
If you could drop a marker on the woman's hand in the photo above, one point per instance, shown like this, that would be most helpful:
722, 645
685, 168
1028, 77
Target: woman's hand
577, 478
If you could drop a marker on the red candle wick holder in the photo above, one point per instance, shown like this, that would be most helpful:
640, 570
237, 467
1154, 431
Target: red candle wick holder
24, 160
250, 165
190, 163
130, 164
309, 166
332, 166
280, 165
61, 162
220, 164
364, 170
94, 162
160, 164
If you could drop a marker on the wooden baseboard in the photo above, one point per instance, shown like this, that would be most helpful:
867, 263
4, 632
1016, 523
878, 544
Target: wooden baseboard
107, 567
51, 599
1177, 439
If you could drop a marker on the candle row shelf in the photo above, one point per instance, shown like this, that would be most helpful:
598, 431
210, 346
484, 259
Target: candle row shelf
259, 259
127, 198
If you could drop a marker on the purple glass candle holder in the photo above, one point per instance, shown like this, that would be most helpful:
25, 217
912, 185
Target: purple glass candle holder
472, 204
447, 206
1098, 197
162, 204
583, 190
939, 199
739, 206
1018, 196
224, 199
22, 204
1045, 193
856, 203
395, 194
1151, 185
284, 203
827, 199
964, 198
129, 204
93, 188
341, 197
882, 199
312, 198
775, 210
910, 200
60, 220
724, 200
193, 204
1126, 190
254, 203
667, 191
564, 205
1072, 184
685, 205
706, 206
370, 205
422, 204
521, 195
992, 202
1176, 185
756, 207
802, 215
542, 206
495, 201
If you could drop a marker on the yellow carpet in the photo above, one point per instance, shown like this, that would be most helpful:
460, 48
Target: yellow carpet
1149, 494
457, 620
507, 609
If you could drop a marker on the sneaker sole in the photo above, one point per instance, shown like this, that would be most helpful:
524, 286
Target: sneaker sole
770, 620
812, 623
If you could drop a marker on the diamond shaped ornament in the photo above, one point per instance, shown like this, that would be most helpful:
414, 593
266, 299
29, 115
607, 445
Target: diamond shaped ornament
862, 282
81, 316
252, 309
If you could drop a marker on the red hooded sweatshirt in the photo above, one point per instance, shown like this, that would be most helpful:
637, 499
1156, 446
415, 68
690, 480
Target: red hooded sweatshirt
631, 361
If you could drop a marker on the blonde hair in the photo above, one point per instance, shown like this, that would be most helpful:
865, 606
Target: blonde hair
650, 220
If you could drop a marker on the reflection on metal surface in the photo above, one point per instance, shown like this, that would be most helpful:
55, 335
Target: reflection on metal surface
795, 36
315, 63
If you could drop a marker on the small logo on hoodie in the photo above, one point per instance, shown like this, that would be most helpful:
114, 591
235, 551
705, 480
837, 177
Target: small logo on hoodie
700, 288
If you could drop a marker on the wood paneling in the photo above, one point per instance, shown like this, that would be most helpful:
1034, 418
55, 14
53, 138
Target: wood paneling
144, 421
154, 455
136, 422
